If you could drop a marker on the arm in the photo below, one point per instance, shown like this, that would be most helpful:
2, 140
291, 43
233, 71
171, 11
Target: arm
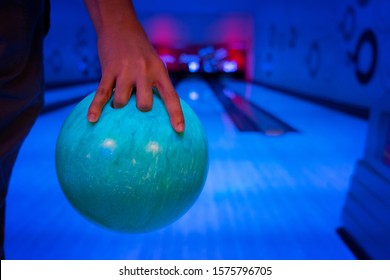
128, 61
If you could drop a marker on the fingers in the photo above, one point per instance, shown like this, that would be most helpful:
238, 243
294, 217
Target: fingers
102, 95
122, 93
144, 96
172, 103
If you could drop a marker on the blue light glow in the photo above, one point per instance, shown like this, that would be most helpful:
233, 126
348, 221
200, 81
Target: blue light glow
193, 95
229, 66
193, 66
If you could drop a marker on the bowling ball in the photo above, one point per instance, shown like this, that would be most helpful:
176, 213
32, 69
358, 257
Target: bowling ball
131, 171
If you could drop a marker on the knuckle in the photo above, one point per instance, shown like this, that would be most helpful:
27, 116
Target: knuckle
171, 96
93, 109
120, 101
103, 93
141, 66
162, 71
161, 65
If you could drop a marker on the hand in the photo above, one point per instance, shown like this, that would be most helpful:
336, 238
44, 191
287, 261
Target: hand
129, 61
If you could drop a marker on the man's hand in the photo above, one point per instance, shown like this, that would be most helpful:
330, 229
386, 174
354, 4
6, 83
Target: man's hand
128, 61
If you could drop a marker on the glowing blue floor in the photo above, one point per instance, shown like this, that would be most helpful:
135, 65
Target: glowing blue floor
265, 197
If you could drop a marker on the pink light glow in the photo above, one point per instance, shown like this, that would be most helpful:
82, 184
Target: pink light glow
165, 30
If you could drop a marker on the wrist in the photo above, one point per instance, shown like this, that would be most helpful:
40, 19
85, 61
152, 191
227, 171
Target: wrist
112, 15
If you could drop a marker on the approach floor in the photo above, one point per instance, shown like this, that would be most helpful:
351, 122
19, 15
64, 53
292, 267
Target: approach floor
266, 197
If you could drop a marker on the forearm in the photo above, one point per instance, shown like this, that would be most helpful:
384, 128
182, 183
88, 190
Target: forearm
111, 14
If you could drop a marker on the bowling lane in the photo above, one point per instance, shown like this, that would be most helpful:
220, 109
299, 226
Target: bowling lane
298, 180
265, 197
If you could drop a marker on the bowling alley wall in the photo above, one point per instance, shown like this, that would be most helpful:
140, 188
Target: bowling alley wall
333, 50
336, 51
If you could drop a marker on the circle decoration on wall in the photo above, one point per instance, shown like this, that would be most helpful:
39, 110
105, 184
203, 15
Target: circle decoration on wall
363, 2
83, 65
313, 59
55, 60
81, 41
95, 65
348, 22
292, 42
365, 56
268, 64
272, 36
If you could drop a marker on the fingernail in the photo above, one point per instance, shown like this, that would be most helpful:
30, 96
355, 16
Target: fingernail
92, 117
180, 127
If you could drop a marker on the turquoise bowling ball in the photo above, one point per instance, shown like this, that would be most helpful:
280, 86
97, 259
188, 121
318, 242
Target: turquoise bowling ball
130, 171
